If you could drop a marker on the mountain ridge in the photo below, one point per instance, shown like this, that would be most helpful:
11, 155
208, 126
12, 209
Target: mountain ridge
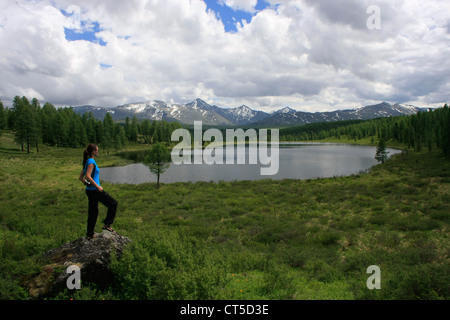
199, 110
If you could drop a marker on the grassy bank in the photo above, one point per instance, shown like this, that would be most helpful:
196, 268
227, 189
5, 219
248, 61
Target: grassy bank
288, 239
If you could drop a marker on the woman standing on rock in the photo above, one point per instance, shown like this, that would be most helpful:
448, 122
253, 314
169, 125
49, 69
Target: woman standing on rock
90, 176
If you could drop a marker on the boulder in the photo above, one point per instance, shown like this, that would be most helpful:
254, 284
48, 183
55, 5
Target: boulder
92, 257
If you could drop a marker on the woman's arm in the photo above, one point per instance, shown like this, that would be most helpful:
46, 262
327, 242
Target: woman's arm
81, 177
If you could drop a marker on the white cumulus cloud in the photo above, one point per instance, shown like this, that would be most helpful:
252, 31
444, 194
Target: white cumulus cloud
243, 5
309, 55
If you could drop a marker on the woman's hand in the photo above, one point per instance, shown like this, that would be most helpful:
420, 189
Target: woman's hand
81, 177
100, 189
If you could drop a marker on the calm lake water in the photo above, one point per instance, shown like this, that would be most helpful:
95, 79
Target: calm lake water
296, 161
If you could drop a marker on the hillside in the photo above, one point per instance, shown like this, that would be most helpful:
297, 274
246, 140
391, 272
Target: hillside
199, 110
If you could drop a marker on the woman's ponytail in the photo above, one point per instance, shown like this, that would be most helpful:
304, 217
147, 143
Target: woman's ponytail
85, 157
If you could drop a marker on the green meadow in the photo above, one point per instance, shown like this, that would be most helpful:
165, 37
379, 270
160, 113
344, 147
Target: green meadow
288, 239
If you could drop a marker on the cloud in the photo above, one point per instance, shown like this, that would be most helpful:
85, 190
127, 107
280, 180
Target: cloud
345, 12
310, 55
243, 5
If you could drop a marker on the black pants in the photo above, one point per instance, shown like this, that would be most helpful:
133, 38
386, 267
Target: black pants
95, 197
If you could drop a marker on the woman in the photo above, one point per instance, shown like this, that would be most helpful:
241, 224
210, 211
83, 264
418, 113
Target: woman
90, 176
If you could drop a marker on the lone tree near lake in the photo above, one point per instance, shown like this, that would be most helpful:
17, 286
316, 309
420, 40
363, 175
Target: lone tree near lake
381, 154
158, 160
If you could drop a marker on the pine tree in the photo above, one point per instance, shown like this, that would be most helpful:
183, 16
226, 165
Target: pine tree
17, 118
381, 154
37, 129
90, 132
158, 160
25, 123
60, 129
109, 125
133, 133
48, 117
445, 133
2, 117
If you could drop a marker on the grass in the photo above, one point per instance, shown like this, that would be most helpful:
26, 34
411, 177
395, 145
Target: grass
288, 239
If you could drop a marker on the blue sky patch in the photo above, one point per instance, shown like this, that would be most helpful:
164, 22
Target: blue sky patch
105, 66
83, 30
231, 17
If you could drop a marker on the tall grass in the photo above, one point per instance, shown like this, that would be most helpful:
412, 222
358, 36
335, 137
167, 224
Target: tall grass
265, 239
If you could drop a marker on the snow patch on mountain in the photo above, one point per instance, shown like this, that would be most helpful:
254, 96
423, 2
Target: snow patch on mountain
199, 110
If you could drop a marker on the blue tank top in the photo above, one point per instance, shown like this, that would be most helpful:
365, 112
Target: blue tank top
96, 172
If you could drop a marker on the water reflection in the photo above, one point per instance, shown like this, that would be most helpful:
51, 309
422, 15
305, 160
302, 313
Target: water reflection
296, 161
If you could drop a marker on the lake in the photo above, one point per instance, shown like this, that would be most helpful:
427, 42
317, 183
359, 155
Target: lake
296, 161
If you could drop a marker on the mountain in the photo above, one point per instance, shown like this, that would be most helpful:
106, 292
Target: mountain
288, 116
184, 113
97, 112
243, 115
200, 110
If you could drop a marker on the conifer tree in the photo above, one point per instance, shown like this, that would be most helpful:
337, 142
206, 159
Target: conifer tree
381, 154
445, 132
158, 160
48, 113
2, 117
25, 123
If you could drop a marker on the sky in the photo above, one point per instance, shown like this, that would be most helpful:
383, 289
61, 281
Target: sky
310, 55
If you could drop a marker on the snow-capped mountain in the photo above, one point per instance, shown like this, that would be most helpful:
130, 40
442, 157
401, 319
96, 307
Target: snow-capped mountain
243, 115
154, 110
184, 113
288, 116
287, 110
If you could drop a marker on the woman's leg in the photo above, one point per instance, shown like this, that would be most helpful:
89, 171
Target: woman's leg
92, 212
111, 204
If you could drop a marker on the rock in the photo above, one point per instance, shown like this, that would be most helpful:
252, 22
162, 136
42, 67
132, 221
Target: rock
91, 256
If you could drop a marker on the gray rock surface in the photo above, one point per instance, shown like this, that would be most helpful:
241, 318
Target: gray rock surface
91, 256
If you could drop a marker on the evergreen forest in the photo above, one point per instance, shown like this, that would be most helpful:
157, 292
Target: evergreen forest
64, 127
429, 130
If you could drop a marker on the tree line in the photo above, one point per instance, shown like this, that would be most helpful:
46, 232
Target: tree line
428, 129
34, 125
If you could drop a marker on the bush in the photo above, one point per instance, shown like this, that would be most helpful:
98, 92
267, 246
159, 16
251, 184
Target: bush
420, 282
164, 265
